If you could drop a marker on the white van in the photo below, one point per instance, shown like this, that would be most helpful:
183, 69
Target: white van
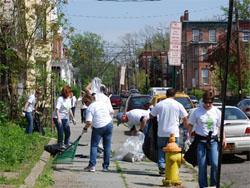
158, 90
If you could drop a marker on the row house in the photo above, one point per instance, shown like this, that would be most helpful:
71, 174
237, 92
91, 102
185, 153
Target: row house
61, 65
197, 38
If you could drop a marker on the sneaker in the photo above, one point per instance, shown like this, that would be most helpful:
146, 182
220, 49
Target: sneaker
161, 171
89, 169
105, 169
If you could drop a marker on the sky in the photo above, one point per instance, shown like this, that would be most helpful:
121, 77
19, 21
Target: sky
112, 20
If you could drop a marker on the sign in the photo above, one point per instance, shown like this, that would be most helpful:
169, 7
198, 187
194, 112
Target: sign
174, 54
122, 78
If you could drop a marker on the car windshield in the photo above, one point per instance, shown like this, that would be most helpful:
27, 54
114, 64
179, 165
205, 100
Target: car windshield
247, 102
185, 102
234, 114
139, 101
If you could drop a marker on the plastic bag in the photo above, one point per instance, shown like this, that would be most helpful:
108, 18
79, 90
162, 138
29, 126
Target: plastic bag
131, 150
96, 85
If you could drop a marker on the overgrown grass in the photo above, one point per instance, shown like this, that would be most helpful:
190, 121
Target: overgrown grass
18, 152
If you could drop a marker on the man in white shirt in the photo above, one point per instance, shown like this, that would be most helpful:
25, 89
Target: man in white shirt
135, 117
170, 112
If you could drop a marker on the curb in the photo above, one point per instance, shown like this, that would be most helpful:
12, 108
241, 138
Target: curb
30, 180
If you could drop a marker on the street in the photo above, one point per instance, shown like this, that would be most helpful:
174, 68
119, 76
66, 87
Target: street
235, 171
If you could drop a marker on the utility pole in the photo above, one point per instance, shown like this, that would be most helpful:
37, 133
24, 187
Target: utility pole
224, 87
237, 41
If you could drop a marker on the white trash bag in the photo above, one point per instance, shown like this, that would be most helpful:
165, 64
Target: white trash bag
96, 85
131, 150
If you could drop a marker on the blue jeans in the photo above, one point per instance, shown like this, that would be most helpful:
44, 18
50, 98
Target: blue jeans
106, 134
62, 128
202, 154
162, 142
29, 118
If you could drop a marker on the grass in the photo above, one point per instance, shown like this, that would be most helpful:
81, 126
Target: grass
18, 153
119, 170
45, 180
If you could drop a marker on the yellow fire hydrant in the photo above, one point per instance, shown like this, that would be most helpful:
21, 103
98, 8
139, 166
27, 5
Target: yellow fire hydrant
173, 159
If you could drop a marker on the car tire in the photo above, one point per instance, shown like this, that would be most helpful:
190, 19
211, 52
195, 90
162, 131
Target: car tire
248, 156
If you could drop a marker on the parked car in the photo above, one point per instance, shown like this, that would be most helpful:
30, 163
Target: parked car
244, 105
137, 101
158, 90
179, 96
193, 99
116, 101
133, 91
237, 130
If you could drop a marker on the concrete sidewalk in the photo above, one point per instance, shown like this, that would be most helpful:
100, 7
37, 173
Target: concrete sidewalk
121, 175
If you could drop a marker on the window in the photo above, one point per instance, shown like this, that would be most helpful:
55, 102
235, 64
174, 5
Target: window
204, 76
196, 35
246, 36
212, 35
203, 54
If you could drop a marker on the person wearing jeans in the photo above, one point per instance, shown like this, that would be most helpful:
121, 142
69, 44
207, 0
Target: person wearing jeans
205, 121
169, 112
29, 108
98, 116
61, 117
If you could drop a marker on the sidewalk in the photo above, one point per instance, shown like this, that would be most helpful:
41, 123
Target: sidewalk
121, 175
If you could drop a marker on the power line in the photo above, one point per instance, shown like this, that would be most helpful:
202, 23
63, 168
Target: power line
136, 17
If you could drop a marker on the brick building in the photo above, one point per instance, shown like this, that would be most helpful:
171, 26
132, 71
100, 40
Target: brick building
197, 38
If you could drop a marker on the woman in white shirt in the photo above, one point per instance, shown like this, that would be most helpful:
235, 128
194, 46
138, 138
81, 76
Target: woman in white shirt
61, 116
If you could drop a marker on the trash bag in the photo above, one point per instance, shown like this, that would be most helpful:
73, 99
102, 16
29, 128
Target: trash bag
53, 149
131, 149
149, 146
96, 85
191, 154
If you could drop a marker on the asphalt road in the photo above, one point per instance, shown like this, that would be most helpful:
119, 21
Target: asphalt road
235, 171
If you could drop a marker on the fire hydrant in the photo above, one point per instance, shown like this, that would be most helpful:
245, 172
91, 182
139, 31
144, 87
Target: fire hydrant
173, 159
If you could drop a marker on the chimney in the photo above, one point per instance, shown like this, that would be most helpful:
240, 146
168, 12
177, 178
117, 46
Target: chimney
181, 18
186, 15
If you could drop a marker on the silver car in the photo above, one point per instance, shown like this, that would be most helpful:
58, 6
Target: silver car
237, 130
244, 105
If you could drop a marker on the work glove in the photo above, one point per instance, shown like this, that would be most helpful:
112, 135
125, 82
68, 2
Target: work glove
85, 130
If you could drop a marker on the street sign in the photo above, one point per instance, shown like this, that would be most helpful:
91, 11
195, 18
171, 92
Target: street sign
174, 54
122, 78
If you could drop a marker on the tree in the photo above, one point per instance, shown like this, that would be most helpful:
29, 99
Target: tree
23, 29
88, 57
217, 59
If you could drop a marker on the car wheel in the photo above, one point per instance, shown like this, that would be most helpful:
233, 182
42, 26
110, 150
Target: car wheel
248, 156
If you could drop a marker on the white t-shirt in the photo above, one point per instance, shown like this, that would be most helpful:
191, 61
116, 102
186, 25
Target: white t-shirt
98, 113
135, 115
63, 105
170, 112
32, 102
205, 120
105, 99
